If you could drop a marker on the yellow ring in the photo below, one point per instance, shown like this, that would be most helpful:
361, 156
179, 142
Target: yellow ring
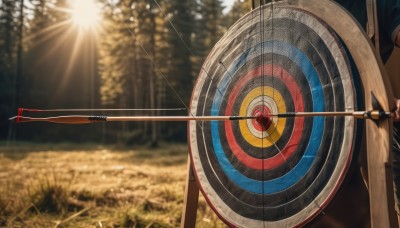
274, 132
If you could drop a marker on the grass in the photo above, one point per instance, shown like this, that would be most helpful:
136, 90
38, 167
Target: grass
67, 185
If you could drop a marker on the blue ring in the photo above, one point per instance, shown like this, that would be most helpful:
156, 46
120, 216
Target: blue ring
302, 167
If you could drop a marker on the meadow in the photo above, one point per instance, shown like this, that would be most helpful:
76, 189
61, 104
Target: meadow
86, 185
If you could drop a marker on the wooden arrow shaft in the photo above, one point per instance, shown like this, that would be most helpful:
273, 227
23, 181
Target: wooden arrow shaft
358, 114
100, 110
96, 119
74, 119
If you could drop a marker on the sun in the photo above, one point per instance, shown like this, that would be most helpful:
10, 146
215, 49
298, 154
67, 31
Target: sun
85, 13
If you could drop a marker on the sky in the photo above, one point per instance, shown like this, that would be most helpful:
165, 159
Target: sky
228, 4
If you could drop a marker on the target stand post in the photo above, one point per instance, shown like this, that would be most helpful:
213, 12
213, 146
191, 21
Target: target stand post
191, 200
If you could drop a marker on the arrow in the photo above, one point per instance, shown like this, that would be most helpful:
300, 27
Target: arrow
95, 119
99, 110
74, 119
375, 114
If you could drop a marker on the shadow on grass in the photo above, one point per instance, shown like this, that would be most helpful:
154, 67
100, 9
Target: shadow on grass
165, 154
19, 150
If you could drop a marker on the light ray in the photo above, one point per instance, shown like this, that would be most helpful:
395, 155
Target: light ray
85, 13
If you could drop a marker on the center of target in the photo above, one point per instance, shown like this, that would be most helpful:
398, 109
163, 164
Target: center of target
254, 101
262, 121
261, 101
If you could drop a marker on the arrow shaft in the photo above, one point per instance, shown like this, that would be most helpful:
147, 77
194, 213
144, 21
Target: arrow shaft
312, 114
100, 110
96, 119
74, 119
175, 118
358, 114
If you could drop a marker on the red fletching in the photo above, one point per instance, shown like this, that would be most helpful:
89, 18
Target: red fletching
19, 115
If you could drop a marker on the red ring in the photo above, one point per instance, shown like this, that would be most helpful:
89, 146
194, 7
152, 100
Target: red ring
290, 147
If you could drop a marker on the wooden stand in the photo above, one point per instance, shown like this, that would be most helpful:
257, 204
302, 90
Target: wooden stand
191, 199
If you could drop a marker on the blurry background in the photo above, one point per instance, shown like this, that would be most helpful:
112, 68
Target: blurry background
89, 54
92, 54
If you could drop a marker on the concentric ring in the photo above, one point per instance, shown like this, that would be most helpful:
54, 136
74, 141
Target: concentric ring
290, 147
287, 172
261, 96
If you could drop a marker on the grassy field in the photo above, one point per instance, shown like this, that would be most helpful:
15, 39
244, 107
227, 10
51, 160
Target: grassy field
79, 185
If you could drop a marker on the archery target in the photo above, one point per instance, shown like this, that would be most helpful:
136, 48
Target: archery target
283, 171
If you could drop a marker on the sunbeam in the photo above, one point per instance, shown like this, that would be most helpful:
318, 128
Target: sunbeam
85, 13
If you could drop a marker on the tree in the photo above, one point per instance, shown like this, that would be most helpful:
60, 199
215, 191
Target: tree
140, 54
148, 58
7, 56
208, 30
19, 71
210, 22
176, 57
60, 66
127, 67
238, 10
12, 20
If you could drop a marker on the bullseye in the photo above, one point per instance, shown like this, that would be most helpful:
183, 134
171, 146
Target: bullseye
271, 171
263, 120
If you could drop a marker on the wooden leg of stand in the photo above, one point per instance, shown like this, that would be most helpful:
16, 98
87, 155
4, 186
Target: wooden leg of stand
392, 212
191, 200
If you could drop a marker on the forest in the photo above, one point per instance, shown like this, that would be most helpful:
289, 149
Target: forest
106, 54
69, 57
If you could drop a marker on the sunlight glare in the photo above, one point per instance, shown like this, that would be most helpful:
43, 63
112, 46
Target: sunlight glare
85, 13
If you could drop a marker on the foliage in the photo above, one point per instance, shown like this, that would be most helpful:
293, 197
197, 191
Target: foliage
208, 30
145, 55
238, 10
9, 28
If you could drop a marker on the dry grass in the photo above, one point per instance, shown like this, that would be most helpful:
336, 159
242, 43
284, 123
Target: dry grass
68, 185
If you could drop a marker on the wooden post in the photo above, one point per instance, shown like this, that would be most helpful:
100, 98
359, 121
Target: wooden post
191, 200
393, 69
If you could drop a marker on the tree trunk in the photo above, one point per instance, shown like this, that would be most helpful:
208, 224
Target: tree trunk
154, 135
19, 80
19, 73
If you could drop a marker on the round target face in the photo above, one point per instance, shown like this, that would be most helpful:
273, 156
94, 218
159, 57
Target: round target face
272, 171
